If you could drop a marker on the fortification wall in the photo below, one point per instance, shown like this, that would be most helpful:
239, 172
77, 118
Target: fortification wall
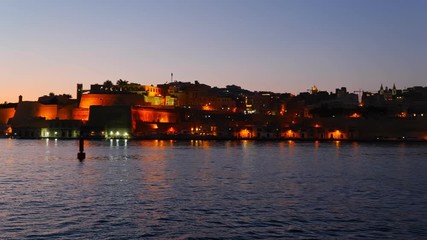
49, 112
81, 114
153, 115
6, 114
95, 99
65, 112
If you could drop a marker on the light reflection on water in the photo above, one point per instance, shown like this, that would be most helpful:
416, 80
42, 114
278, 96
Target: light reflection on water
193, 189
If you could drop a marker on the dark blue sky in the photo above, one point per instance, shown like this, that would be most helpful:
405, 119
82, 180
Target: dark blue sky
280, 46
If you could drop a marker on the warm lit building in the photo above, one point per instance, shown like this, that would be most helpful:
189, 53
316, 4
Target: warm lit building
197, 95
194, 110
7, 111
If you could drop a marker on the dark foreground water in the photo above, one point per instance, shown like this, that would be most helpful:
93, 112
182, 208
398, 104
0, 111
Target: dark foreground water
215, 190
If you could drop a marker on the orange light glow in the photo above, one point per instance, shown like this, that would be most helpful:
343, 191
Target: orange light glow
290, 134
402, 115
282, 110
355, 115
8, 131
207, 108
337, 134
316, 125
171, 130
245, 133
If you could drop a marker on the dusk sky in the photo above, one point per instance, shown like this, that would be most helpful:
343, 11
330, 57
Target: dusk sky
280, 46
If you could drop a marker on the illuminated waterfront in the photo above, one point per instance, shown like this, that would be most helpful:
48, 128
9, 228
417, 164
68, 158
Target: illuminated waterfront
225, 190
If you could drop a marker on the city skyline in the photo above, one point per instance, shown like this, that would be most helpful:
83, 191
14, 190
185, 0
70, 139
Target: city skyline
278, 46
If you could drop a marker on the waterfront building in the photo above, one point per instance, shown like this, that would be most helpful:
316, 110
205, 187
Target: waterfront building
7, 111
199, 96
194, 110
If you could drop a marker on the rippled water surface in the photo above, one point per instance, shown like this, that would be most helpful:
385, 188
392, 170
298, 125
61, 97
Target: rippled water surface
216, 190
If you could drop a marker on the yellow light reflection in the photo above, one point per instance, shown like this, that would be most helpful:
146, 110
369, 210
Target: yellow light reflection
337, 144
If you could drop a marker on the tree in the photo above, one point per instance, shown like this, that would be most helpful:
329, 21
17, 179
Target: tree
108, 83
121, 82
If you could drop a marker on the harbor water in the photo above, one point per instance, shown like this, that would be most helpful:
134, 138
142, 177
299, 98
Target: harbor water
212, 189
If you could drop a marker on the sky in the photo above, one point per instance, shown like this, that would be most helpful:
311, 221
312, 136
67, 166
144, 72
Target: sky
261, 45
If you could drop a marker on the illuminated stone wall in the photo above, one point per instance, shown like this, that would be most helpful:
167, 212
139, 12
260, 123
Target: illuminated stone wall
99, 99
28, 111
81, 114
48, 112
6, 114
65, 112
146, 120
153, 115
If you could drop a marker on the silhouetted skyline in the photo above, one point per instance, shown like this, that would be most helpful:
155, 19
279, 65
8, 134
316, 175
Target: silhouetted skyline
280, 46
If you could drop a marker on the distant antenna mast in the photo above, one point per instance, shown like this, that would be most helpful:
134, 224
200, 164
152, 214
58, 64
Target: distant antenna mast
171, 77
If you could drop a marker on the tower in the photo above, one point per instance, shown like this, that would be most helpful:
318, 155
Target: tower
381, 89
314, 90
79, 92
394, 90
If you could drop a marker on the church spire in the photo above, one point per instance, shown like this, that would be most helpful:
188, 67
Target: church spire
382, 89
394, 90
